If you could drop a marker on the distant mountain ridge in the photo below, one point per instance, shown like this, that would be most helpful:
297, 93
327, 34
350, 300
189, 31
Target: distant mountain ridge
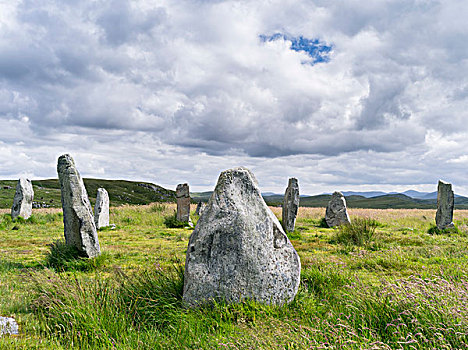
410, 199
121, 192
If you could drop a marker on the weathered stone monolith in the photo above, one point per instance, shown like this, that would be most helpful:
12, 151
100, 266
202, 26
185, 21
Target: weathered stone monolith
200, 207
101, 209
238, 249
336, 213
445, 204
8, 325
290, 205
22, 202
80, 229
183, 203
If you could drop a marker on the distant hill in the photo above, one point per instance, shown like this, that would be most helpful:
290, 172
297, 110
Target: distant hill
386, 201
47, 192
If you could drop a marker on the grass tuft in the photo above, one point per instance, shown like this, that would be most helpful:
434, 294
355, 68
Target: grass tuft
172, 222
63, 257
360, 232
434, 230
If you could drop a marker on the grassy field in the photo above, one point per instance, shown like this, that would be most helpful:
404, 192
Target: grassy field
396, 287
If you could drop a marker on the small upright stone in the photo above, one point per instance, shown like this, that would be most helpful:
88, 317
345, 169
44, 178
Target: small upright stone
290, 205
101, 209
200, 208
22, 202
336, 213
183, 203
80, 229
445, 204
8, 325
238, 249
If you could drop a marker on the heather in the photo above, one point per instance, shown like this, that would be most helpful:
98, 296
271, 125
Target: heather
394, 286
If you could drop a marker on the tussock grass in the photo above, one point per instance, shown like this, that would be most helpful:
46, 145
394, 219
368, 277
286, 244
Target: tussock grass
360, 232
63, 257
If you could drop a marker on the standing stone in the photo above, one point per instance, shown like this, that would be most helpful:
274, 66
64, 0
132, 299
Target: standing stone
336, 213
183, 203
8, 325
101, 209
200, 208
22, 202
445, 204
238, 249
290, 205
80, 229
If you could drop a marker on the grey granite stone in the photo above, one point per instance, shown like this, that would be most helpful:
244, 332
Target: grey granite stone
336, 213
80, 229
238, 249
445, 205
101, 209
8, 325
22, 202
183, 203
290, 205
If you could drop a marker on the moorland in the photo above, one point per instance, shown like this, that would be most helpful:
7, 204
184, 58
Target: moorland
383, 282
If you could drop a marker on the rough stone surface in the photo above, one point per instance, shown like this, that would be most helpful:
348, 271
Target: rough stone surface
8, 325
183, 203
445, 204
22, 202
336, 213
101, 209
78, 219
200, 208
238, 249
290, 205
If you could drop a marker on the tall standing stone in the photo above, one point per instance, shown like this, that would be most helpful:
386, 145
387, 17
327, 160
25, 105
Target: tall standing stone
80, 229
290, 205
22, 202
183, 203
445, 204
101, 209
238, 249
336, 213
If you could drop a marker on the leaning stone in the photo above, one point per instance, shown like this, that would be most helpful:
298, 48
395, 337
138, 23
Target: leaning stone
290, 205
200, 208
101, 209
8, 325
238, 249
336, 213
80, 229
23, 200
183, 203
445, 204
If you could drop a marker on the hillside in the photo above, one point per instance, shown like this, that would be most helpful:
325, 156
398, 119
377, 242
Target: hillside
47, 192
388, 201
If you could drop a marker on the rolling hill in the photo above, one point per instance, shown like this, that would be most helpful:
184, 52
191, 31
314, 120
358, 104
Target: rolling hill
47, 192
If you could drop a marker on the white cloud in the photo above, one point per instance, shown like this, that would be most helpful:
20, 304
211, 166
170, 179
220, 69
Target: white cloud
181, 90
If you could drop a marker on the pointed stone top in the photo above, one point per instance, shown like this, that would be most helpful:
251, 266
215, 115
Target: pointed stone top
337, 194
444, 183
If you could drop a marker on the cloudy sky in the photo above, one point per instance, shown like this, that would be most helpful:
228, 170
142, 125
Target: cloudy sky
343, 94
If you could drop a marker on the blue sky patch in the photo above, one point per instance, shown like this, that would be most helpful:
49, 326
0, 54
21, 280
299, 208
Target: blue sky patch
316, 49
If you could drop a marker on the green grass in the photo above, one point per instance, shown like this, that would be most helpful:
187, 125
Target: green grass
408, 291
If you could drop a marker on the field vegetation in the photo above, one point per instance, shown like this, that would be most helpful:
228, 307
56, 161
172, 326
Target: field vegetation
384, 282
